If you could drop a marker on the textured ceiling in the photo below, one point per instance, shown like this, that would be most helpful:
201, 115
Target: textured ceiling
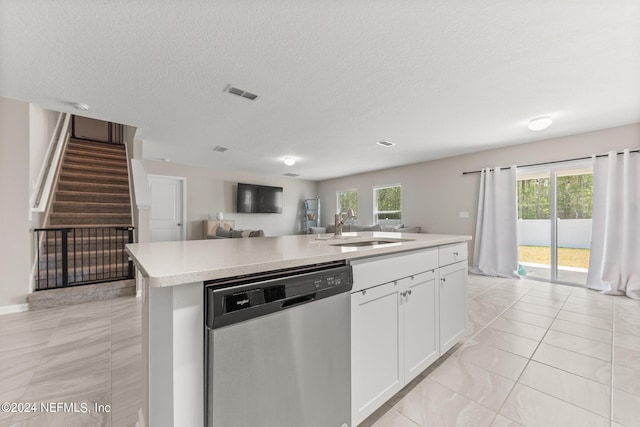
438, 78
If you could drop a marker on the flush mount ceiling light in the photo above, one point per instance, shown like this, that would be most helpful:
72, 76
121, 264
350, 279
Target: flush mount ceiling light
289, 161
80, 107
385, 143
291, 174
540, 123
220, 149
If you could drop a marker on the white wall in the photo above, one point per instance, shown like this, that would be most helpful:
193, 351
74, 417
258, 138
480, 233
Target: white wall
435, 192
210, 191
15, 262
42, 124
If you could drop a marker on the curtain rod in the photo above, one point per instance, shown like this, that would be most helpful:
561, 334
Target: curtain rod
555, 161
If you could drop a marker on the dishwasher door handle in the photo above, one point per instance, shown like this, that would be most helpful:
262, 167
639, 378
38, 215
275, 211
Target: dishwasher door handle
298, 300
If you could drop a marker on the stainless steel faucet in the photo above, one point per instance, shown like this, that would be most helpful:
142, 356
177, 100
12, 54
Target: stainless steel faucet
339, 221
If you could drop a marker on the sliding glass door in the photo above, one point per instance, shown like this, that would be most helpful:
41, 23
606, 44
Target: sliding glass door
554, 221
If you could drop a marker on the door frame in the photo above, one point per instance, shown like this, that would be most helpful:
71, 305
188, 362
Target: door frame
183, 185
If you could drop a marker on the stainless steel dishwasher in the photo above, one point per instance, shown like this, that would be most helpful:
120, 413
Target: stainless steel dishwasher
278, 348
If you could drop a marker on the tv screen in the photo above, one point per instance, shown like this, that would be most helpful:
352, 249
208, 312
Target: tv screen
254, 198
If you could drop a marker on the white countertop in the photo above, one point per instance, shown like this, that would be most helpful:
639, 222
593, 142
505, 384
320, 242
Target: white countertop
175, 263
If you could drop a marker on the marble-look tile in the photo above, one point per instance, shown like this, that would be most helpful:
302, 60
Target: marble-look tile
587, 394
518, 328
593, 321
61, 419
625, 408
535, 309
492, 359
500, 300
31, 340
584, 331
579, 345
501, 421
627, 325
393, 418
505, 341
530, 407
530, 318
626, 357
606, 313
626, 310
473, 382
545, 302
602, 303
30, 321
548, 294
632, 342
371, 419
431, 404
583, 292
626, 379
576, 363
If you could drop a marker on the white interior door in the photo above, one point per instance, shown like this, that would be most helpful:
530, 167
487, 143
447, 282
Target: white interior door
167, 208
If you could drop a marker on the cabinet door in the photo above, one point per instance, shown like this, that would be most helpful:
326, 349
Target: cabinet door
419, 306
453, 304
376, 363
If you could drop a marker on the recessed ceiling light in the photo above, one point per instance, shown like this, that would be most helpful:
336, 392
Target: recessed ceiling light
385, 143
540, 123
80, 107
289, 161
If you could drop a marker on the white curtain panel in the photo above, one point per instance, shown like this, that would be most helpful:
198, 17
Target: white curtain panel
496, 241
614, 266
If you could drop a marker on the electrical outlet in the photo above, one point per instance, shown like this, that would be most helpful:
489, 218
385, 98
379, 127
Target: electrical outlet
464, 214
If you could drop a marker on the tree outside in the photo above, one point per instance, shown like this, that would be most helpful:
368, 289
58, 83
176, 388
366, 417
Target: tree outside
573, 195
389, 203
348, 200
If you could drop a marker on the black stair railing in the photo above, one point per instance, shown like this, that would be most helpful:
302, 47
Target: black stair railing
81, 256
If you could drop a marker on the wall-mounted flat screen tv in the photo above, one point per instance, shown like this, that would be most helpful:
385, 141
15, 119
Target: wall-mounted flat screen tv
254, 198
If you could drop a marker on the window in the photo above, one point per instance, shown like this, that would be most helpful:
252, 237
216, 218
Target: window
347, 199
387, 205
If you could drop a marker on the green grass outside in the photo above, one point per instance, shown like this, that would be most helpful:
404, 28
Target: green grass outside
567, 257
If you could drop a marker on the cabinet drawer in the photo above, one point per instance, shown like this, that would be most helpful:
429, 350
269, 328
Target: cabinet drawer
375, 271
452, 253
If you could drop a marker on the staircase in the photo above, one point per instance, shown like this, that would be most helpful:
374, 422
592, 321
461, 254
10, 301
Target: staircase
89, 221
93, 187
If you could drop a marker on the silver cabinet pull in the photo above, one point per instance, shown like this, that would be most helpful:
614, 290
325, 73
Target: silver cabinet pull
456, 253
409, 291
364, 292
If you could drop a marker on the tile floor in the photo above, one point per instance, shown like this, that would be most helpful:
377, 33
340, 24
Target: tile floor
87, 353
537, 354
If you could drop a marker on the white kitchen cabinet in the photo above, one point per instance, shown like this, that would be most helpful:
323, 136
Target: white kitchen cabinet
393, 339
420, 323
453, 304
376, 360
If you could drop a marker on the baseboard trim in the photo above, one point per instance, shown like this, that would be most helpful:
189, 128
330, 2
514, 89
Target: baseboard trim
17, 308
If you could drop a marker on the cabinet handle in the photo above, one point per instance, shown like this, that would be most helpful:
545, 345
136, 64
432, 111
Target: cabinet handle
395, 283
404, 294
409, 291
444, 279
456, 253
364, 292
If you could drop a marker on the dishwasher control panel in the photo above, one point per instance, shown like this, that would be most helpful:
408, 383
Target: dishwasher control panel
235, 302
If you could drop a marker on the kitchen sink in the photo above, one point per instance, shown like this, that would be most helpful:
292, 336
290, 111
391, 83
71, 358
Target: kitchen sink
371, 242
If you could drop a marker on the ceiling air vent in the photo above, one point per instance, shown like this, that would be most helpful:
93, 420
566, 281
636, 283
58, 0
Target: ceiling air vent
291, 174
386, 143
243, 93
220, 149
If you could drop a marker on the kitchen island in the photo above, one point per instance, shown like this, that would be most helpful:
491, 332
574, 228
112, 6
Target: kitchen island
172, 276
